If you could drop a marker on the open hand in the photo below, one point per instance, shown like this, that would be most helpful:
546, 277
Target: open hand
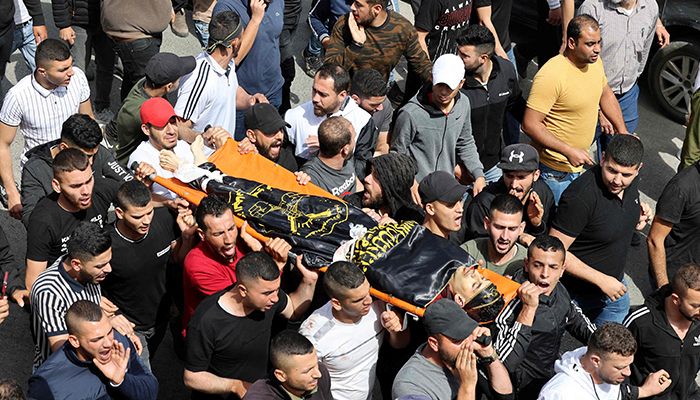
115, 368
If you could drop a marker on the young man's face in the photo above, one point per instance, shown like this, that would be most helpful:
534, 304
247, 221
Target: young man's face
472, 58
93, 341
587, 48
364, 12
96, 269
689, 304
261, 295
617, 177
519, 183
163, 138
466, 283
221, 235
373, 196
59, 73
545, 268
504, 230
324, 98
613, 368
268, 145
443, 94
370, 104
302, 373
138, 219
447, 216
356, 302
76, 187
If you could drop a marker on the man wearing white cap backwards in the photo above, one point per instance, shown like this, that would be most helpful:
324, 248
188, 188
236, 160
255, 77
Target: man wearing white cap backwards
434, 127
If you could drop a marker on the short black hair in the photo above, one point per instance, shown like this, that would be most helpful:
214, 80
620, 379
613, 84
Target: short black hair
81, 131
11, 390
383, 3
286, 344
340, 277
82, 311
611, 337
341, 78
256, 265
222, 25
88, 241
50, 50
133, 193
625, 150
507, 204
578, 24
688, 277
210, 205
547, 243
69, 160
368, 82
480, 37
334, 133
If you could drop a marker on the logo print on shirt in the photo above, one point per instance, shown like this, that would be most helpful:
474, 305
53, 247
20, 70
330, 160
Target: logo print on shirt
697, 340
518, 156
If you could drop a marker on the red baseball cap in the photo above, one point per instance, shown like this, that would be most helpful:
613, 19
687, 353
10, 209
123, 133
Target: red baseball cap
157, 111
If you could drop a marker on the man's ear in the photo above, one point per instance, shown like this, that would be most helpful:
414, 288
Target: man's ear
461, 83
596, 360
251, 136
429, 209
200, 232
55, 185
144, 129
242, 290
75, 264
675, 299
460, 300
280, 375
342, 95
526, 266
73, 340
356, 98
536, 175
487, 223
335, 303
433, 343
571, 43
376, 9
62, 146
119, 212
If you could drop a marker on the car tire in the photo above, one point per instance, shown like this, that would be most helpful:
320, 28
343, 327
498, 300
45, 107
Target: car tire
672, 73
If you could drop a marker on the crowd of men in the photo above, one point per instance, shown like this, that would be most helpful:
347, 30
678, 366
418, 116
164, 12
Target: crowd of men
251, 321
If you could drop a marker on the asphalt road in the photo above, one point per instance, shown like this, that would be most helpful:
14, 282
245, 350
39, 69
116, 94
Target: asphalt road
662, 139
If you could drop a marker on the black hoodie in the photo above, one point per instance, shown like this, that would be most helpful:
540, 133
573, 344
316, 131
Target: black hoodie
270, 388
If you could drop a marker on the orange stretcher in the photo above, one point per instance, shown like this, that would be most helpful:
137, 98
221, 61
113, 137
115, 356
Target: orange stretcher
255, 167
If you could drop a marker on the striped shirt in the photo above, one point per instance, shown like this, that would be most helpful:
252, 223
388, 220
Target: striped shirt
626, 39
39, 112
207, 96
52, 294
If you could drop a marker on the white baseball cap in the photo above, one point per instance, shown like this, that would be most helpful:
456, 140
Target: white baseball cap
448, 69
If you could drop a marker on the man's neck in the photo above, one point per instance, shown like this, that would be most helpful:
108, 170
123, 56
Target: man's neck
344, 318
128, 232
70, 271
485, 73
432, 356
433, 227
154, 92
577, 64
233, 302
380, 19
336, 162
43, 82
221, 59
678, 322
498, 259
587, 365
445, 108
66, 205
629, 4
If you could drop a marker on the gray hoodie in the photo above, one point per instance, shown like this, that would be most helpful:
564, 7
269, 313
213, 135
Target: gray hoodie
436, 141
572, 382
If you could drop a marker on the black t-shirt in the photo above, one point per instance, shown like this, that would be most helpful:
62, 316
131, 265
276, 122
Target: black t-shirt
229, 346
50, 226
137, 282
679, 204
287, 160
444, 20
500, 16
602, 224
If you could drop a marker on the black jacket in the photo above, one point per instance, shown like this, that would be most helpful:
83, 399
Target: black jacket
529, 352
489, 105
270, 388
38, 173
35, 11
82, 13
7, 16
658, 346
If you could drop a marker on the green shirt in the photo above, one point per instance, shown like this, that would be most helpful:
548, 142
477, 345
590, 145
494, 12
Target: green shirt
478, 248
129, 133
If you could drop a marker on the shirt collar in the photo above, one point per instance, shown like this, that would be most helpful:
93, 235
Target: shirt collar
46, 92
74, 285
215, 65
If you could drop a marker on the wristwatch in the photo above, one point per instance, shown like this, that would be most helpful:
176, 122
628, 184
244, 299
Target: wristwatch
488, 360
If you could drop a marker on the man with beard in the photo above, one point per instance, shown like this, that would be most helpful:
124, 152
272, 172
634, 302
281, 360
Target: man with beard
441, 196
94, 363
265, 130
146, 241
627, 30
529, 331
211, 265
597, 216
369, 90
520, 165
333, 170
500, 251
600, 371
329, 99
445, 368
388, 181
210, 94
486, 74
667, 330
75, 276
349, 330
159, 123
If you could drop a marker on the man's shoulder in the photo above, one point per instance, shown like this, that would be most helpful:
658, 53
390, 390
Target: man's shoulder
24, 84
592, 7
47, 205
318, 324
298, 112
144, 152
48, 279
55, 366
197, 258
398, 22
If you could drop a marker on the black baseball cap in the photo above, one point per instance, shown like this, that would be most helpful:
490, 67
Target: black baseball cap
447, 318
164, 68
519, 157
440, 185
264, 116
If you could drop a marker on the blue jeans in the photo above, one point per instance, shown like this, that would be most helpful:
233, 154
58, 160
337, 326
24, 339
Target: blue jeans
511, 126
202, 30
601, 309
275, 99
493, 174
556, 180
630, 113
24, 41
314, 47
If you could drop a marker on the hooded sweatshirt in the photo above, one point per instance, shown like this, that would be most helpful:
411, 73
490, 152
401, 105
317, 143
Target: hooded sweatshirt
572, 382
437, 141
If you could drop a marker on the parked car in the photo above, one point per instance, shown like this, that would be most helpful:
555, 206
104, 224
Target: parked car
670, 71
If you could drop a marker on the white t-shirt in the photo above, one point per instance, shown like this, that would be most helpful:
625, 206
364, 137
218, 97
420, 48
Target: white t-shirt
305, 123
148, 154
350, 351
207, 96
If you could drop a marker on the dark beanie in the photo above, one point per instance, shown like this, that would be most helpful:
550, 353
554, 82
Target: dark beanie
396, 173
